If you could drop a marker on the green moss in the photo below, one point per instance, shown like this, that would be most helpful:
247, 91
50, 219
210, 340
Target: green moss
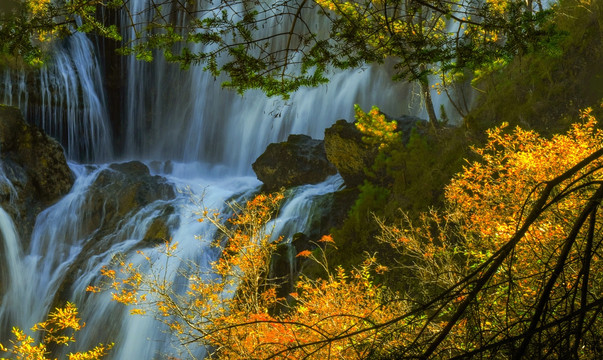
158, 231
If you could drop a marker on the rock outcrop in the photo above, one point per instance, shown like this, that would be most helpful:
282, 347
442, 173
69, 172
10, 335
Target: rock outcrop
350, 155
346, 150
34, 168
299, 160
117, 202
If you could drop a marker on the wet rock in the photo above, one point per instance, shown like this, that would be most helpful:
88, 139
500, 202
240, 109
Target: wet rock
123, 200
162, 167
119, 190
34, 168
131, 169
299, 160
160, 229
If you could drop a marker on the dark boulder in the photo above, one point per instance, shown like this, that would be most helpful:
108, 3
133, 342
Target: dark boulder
299, 160
33, 170
122, 198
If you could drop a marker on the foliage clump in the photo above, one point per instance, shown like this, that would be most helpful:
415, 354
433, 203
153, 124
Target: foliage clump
230, 307
515, 252
507, 267
29, 27
408, 176
376, 129
58, 329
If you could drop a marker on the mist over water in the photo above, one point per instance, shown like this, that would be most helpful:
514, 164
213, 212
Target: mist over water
210, 137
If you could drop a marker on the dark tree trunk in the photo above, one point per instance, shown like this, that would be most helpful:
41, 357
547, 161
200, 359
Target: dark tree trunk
433, 120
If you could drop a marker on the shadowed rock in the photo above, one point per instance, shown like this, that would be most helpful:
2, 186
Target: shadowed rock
120, 190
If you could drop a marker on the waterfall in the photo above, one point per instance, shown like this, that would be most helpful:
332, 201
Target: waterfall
58, 251
185, 115
209, 135
12, 269
65, 98
302, 201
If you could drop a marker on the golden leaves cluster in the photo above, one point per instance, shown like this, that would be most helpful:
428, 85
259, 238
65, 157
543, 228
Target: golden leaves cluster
58, 329
232, 307
375, 128
490, 200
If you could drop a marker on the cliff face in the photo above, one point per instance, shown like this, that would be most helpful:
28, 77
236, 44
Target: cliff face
33, 174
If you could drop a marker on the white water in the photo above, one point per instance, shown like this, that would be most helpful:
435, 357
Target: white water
57, 249
212, 136
12, 269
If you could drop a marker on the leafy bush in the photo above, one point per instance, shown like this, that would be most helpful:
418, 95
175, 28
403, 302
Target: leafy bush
508, 267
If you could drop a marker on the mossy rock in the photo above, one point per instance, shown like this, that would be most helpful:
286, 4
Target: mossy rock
161, 227
119, 190
346, 150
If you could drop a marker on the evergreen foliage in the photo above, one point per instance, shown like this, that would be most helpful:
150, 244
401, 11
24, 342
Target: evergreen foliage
29, 27
230, 37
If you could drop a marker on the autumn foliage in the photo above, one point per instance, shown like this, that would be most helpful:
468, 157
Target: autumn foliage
510, 267
58, 329
524, 207
375, 128
231, 307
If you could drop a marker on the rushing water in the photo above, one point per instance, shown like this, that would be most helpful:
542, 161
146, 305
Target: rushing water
211, 136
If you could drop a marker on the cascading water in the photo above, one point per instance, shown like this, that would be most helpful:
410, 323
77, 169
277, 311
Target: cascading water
186, 116
65, 98
11, 265
209, 135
